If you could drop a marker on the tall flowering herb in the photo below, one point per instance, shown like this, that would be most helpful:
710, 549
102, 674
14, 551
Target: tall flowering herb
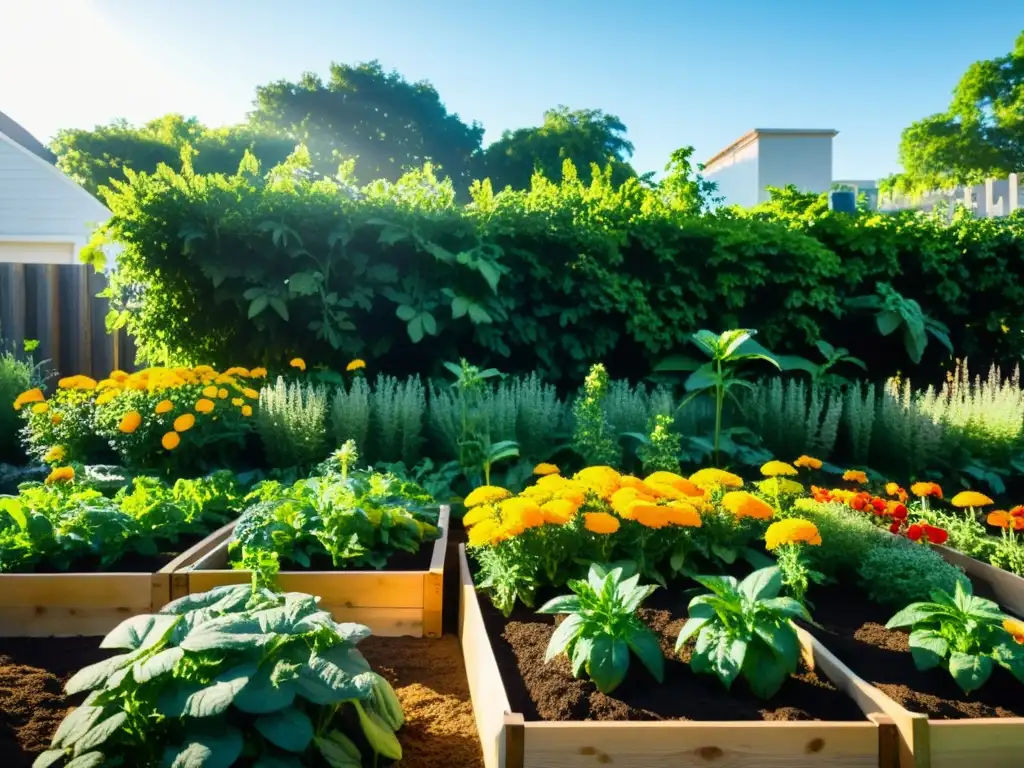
593, 438
788, 539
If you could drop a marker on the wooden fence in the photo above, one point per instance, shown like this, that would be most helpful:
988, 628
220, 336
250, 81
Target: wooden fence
992, 198
57, 305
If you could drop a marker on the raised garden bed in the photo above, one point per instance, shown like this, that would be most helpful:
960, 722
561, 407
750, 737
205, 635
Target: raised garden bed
939, 725
1004, 587
512, 695
403, 599
70, 604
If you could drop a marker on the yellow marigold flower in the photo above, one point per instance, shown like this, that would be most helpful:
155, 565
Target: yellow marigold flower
743, 504
170, 441
130, 422
600, 522
31, 396
40, 408
298, 362
780, 485
257, 373
573, 494
107, 396
709, 477
237, 402
603, 481
164, 406
56, 454
479, 514
681, 513
558, 511
237, 370
518, 515
483, 534
119, 376
247, 410
624, 499
855, 476
1015, 627
210, 391
61, 475
56, 419
675, 481
222, 393
628, 481
926, 489
545, 469
891, 489
204, 406
777, 468
792, 531
485, 494
808, 462
355, 365
184, 423
650, 515
252, 394
970, 499
203, 370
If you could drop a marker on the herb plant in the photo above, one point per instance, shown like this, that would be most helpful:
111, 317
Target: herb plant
230, 677
743, 628
896, 572
602, 627
965, 634
292, 423
594, 436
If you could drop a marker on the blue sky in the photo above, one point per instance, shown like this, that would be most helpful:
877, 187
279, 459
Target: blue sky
676, 73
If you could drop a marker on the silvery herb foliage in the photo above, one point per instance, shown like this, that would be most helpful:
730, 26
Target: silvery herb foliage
231, 677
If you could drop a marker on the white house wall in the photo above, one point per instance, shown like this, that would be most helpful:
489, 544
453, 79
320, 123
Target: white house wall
736, 174
803, 161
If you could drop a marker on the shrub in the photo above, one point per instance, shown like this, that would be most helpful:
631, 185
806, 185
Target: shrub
192, 687
794, 416
350, 414
897, 572
292, 423
16, 376
398, 410
845, 538
540, 415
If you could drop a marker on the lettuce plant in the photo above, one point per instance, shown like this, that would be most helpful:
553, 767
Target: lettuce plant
602, 627
966, 634
230, 677
743, 628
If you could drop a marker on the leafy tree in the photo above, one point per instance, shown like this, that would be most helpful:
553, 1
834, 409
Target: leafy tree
979, 136
95, 157
684, 188
586, 137
386, 123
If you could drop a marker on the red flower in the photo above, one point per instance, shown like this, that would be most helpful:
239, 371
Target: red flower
895, 527
1017, 511
935, 535
880, 505
898, 511
915, 532
821, 494
857, 503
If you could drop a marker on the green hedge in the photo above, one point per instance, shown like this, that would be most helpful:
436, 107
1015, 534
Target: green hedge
257, 268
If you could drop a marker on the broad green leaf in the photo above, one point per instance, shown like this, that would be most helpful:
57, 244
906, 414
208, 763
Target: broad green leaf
928, 648
280, 307
303, 284
796, 363
970, 671
94, 675
764, 671
699, 616
562, 604
1010, 655
323, 682
637, 595
88, 760
460, 305
786, 606
888, 321
156, 665
730, 341
415, 329
580, 654
339, 750
701, 379
910, 616
490, 273
386, 703
479, 315
15, 509
214, 596
100, 732
139, 631
289, 729
213, 750
380, 737
720, 585
405, 312
723, 552
647, 648
261, 695
677, 363
762, 584
75, 726
352, 632
608, 662
727, 658
564, 634
782, 640
48, 758
257, 305
212, 699
429, 324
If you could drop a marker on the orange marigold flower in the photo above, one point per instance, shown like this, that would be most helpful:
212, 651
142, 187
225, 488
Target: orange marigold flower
222, 393
855, 476
926, 489
1000, 519
743, 504
808, 462
1015, 627
600, 522
237, 370
204, 406
184, 423
252, 394
56, 419
130, 422
681, 513
61, 475
675, 481
603, 481
258, 373
650, 515
298, 362
164, 406
791, 531
210, 391
170, 441
247, 410
31, 396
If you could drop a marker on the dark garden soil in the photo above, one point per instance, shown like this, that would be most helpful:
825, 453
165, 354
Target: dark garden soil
132, 562
853, 628
548, 691
398, 561
428, 676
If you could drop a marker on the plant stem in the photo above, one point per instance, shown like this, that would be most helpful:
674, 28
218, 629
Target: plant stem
719, 400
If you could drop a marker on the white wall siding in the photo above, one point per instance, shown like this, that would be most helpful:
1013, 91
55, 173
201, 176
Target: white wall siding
38, 202
736, 174
803, 161
37, 253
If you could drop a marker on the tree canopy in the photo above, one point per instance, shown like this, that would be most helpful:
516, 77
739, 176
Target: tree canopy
94, 157
979, 136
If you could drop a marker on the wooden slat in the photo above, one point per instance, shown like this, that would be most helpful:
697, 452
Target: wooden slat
75, 590
487, 691
1004, 587
989, 743
177, 582
62, 622
433, 581
352, 589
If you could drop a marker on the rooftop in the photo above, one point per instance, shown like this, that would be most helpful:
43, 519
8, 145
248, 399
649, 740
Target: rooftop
752, 135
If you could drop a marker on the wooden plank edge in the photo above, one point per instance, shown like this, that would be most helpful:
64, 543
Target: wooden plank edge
199, 549
1007, 587
515, 740
437, 556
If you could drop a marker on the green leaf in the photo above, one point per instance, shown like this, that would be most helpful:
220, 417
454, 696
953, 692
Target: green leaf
262, 695
701, 379
700, 615
608, 662
139, 631
14, 508
730, 342
727, 658
156, 665
48, 758
392, 234
786, 606
561, 604
289, 729
339, 750
645, 645
88, 760
719, 585
888, 321
782, 640
429, 324
928, 648
970, 671
280, 307
581, 654
415, 329
257, 305
460, 305
380, 737
212, 699
564, 634
764, 671
762, 584
910, 616
94, 675
100, 732
405, 312
479, 315
1010, 655
322, 681
212, 750
76, 725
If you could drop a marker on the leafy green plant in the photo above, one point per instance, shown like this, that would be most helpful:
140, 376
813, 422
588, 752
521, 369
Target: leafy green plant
894, 312
398, 413
845, 539
234, 676
601, 627
593, 435
17, 375
743, 628
477, 452
822, 372
897, 571
721, 374
965, 634
292, 423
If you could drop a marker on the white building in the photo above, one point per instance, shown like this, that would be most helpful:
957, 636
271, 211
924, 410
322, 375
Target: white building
772, 157
45, 217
